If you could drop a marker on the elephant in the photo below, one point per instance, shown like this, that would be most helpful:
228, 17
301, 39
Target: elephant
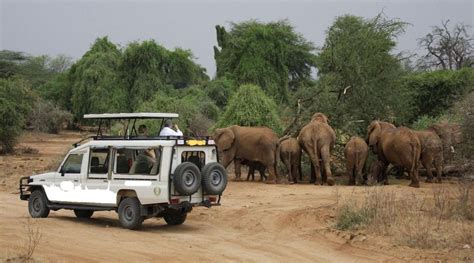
236, 143
355, 152
398, 146
290, 155
253, 165
317, 139
431, 151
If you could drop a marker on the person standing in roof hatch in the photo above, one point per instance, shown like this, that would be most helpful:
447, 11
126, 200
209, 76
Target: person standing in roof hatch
168, 129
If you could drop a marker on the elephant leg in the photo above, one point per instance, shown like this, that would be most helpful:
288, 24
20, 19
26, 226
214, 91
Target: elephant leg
249, 173
294, 172
383, 173
287, 163
262, 174
272, 179
312, 178
427, 163
349, 172
326, 157
414, 176
360, 172
237, 169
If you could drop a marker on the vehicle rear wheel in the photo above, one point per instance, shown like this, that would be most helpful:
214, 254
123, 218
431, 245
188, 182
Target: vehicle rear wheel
129, 213
187, 178
174, 219
214, 178
80, 213
38, 204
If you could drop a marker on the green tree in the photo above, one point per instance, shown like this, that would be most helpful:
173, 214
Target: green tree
220, 90
197, 112
270, 55
15, 99
96, 86
436, 91
358, 75
250, 106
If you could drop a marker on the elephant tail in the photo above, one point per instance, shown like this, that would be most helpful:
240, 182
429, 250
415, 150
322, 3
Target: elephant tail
316, 155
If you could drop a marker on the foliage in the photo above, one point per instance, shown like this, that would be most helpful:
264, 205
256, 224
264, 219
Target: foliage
467, 126
15, 98
358, 75
148, 67
58, 90
96, 87
270, 55
447, 48
250, 106
197, 112
220, 90
9, 62
435, 92
46, 117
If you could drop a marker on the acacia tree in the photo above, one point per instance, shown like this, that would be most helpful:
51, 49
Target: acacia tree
96, 87
250, 106
358, 75
447, 48
270, 55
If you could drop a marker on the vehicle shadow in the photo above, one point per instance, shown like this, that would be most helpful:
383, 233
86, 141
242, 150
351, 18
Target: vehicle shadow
149, 225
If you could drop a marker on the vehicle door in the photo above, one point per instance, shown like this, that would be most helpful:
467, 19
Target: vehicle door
68, 181
97, 181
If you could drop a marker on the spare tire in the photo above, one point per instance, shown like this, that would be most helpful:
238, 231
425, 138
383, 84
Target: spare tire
214, 178
187, 178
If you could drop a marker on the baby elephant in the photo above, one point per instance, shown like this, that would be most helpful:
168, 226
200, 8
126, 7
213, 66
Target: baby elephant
356, 152
255, 165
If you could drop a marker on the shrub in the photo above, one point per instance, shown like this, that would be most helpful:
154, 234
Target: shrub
46, 117
467, 126
249, 106
15, 97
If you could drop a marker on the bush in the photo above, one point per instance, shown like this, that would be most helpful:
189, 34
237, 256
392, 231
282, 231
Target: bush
197, 112
437, 91
467, 126
249, 106
46, 117
15, 97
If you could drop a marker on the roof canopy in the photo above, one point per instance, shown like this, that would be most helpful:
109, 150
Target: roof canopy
138, 115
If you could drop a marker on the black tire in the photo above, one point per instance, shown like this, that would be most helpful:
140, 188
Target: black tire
38, 204
174, 219
80, 213
187, 178
129, 213
214, 178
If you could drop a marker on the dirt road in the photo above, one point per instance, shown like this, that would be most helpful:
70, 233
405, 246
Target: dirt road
256, 223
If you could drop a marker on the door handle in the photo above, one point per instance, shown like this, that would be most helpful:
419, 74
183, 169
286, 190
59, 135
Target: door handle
76, 181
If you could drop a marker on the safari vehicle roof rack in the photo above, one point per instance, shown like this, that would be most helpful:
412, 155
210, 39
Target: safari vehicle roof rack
132, 134
129, 117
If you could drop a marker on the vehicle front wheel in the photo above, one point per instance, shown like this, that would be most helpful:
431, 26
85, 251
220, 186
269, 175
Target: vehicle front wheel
38, 204
83, 213
129, 213
174, 219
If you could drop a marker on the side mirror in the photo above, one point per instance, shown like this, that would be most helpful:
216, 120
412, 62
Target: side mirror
62, 171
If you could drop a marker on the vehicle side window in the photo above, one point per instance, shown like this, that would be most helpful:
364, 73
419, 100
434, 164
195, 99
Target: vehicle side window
73, 164
138, 162
99, 161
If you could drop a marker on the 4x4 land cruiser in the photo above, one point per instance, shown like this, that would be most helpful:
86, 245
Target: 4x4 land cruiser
137, 176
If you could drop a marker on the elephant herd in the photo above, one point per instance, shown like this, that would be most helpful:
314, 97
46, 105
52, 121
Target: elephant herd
261, 149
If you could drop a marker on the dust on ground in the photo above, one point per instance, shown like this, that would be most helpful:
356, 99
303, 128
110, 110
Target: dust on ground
256, 223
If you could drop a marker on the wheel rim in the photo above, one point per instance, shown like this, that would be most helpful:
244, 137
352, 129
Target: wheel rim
128, 213
189, 178
37, 205
216, 177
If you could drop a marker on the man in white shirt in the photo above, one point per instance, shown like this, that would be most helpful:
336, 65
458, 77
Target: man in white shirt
168, 131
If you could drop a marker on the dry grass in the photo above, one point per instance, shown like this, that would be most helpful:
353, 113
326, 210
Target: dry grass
32, 239
444, 219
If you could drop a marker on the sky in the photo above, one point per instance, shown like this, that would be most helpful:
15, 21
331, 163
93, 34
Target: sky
52, 27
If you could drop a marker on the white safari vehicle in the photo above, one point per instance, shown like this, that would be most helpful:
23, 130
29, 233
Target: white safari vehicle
137, 176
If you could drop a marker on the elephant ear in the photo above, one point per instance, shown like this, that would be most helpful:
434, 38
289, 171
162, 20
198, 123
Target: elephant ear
224, 138
373, 133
